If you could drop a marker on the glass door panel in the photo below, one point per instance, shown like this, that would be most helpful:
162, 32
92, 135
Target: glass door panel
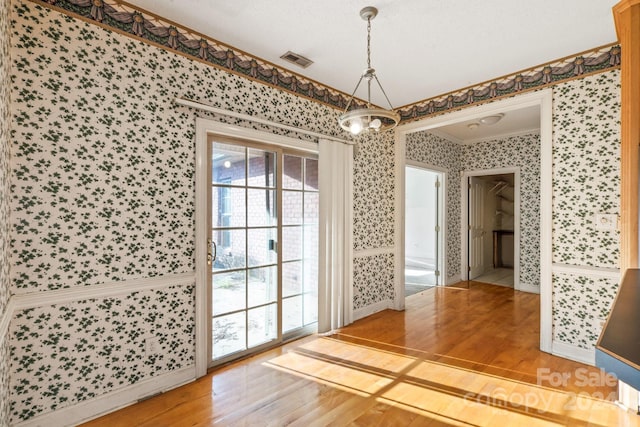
264, 246
300, 243
244, 233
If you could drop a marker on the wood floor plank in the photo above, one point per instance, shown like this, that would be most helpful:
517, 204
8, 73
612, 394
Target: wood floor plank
454, 357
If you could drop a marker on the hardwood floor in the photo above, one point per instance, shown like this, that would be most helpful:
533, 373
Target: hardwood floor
454, 357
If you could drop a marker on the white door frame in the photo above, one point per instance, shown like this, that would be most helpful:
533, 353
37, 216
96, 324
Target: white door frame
544, 100
464, 221
204, 128
442, 217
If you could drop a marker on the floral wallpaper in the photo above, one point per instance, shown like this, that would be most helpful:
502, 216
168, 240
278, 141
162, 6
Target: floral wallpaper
102, 190
580, 303
5, 119
586, 170
64, 354
524, 152
367, 291
586, 181
433, 150
373, 192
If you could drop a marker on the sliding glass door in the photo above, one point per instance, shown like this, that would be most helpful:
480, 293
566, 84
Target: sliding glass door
263, 247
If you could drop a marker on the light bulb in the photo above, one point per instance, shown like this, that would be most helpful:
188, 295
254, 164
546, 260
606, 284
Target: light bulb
227, 164
355, 127
375, 124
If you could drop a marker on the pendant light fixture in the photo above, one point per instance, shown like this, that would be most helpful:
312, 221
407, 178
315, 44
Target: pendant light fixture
369, 118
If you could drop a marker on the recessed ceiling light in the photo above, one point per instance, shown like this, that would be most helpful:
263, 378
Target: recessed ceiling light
473, 126
491, 120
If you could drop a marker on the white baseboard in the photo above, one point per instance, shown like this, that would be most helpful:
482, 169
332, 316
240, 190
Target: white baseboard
572, 352
112, 401
363, 312
527, 287
453, 280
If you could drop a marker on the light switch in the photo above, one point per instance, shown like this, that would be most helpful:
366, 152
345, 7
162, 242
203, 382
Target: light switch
606, 221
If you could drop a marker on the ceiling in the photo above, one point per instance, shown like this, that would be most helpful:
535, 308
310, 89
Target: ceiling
513, 122
419, 48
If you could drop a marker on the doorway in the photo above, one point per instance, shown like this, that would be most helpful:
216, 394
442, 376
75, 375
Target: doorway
263, 246
424, 190
491, 229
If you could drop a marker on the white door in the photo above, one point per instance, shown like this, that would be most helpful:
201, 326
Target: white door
477, 232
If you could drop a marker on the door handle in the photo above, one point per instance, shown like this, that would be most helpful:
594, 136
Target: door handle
211, 255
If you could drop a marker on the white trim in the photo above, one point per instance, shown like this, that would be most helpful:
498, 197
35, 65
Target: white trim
205, 107
61, 296
363, 312
400, 145
421, 165
543, 99
112, 401
202, 220
212, 127
464, 220
502, 136
528, 287
453, 280
373, 252
573, 352
581, 270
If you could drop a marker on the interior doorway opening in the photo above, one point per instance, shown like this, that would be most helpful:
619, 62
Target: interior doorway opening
491, 217
424, 190
491, 226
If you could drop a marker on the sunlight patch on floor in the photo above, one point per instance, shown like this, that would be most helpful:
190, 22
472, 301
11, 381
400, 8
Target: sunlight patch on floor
438, 391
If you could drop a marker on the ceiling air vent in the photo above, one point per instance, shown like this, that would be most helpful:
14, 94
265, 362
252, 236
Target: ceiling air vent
299, 60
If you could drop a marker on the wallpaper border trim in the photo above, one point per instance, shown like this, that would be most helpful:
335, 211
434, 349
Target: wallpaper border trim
139, 24
110, 402
541, 76
61, 296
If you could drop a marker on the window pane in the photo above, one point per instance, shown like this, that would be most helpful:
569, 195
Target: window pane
229, 334
262, 167
292, 173
230, 250
311, 208
311, 243
291, 278
310, 308
261, 208
228, 164
229, 292
262, 246
311, 174
291, 243
291, 207
263, 285
291, 313
262, 324
228, 207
